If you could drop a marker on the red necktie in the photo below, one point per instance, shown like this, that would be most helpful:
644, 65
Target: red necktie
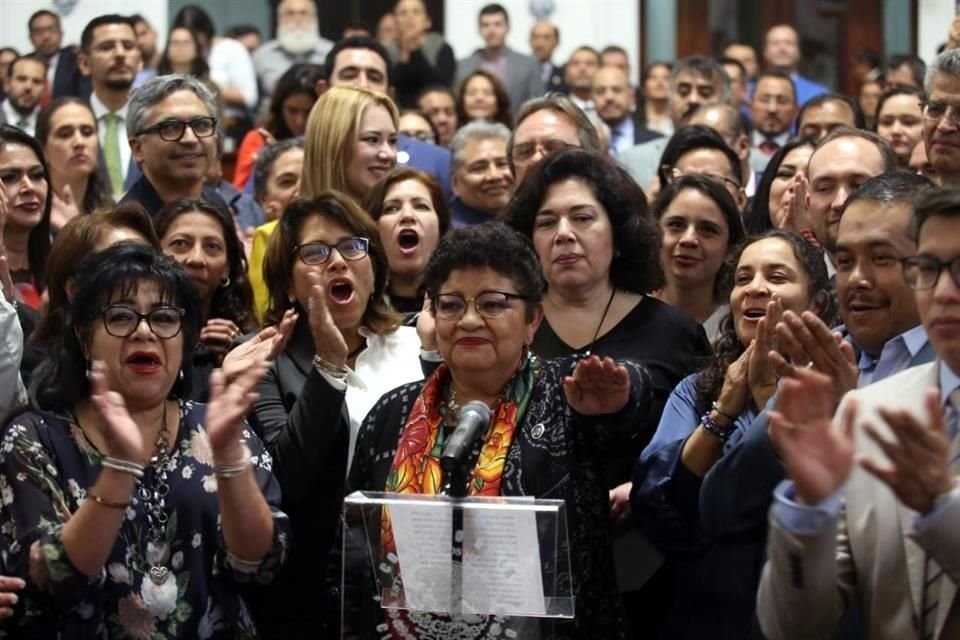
769, 147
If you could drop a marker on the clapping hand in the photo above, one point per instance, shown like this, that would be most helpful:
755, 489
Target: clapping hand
792, 213
327, 338
8, 599
597, 387
266, 345
63, 209
761, 373
817, 456
918, 468
219, 334
123, 437
229, 403
806, 340
427, 326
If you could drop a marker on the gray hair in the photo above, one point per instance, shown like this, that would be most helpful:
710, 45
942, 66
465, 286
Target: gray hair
947, 63
156, 89
706, 67
476, 130
562, 104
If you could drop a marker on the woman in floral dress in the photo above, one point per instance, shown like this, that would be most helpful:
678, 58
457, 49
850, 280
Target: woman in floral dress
128, 512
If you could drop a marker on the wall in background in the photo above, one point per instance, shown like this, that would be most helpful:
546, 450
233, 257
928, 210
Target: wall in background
581, 22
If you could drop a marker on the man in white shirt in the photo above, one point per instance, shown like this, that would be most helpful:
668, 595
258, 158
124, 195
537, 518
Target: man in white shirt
298, 40
23, 87
111, 58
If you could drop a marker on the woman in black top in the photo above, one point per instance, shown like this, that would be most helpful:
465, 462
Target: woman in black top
599, 249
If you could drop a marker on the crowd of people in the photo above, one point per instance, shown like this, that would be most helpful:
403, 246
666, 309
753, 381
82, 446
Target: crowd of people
709, 313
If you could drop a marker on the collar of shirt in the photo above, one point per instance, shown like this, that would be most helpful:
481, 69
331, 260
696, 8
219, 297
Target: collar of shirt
13, 116
100, 109
52, 63
781, 139
622, 137
897, 352
949, 382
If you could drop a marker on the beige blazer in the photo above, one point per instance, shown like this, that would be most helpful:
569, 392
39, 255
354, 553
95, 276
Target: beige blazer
872, 553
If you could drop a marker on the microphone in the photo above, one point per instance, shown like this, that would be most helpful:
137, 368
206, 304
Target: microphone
474, 420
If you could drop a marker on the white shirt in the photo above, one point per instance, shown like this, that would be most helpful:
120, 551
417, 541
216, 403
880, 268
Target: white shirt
231, 66
52, 69
586, 106
13, 117
100, 111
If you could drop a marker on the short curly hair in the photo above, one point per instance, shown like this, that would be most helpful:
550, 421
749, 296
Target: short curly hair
636, 238
491, 245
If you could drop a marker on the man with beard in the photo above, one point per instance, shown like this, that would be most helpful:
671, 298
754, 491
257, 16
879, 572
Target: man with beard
772, 110
694, 81
298, 40
24, 87
578, 77
46, 36
147, 42
110, 57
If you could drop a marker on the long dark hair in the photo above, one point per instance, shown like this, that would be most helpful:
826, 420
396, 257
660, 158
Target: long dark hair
728, 347
503, 114
300, 78
757, 218
61, 380
235, 300
97, 195
38, 242
198, 68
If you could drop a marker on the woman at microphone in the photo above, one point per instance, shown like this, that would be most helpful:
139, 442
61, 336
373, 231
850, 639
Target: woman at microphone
545, 435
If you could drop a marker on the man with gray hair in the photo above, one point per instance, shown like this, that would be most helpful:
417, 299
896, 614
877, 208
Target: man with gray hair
547, 125
298, 40
172, 130
694, 81
941, 116
480, 172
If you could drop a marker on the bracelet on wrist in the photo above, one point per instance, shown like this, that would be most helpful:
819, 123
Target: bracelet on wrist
110, 504
716, 407
123, 466
234, 469
714, 429
327, 367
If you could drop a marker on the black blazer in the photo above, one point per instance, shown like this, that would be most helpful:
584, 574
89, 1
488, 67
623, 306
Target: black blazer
67, 79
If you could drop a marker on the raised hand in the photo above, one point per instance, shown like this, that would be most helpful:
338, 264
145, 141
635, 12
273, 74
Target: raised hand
327, 337
761, 373
735, 392
597, 387
918, 467
266, 345
817, 456
228, 405
806, 340
620, 504
8, 598
63, 209
792, 213
122, 436
427, 326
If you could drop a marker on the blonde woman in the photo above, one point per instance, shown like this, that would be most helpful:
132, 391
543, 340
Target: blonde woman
350, 143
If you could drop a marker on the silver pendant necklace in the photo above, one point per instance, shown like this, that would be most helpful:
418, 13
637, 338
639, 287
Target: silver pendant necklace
155, 501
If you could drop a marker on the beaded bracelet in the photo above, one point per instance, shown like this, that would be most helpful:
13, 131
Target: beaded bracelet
110, 504
716, 407
713, 428
123, 466
234, 469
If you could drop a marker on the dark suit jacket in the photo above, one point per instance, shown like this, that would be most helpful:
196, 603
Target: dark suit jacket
67, 79
425, 157
144, 193
555, 81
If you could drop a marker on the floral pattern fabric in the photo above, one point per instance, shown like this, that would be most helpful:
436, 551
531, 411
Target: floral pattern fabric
46, 464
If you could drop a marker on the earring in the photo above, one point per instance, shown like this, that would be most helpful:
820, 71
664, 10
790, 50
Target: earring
225, 282
180, 375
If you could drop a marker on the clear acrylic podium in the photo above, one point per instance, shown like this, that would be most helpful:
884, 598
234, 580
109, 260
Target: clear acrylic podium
446, 560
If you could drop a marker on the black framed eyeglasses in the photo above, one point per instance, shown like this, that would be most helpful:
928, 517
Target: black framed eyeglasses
675, 174
489, 304
319, 252
172, 130
524, 151
122, 321
923, 272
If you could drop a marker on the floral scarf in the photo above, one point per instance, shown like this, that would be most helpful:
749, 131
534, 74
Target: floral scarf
416, 466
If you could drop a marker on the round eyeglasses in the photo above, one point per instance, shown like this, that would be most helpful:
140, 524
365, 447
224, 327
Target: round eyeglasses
319, 252
121, 321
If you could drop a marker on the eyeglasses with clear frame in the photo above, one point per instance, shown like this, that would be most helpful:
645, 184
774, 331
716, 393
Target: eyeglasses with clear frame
525, 150
922, 272
172, 130
489, 304
934, 111
121, 321
314, 253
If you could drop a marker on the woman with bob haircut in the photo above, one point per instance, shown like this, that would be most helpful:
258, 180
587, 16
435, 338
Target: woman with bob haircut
482, 96
600, 252
700, 226
131, 511
412, 215
326, 267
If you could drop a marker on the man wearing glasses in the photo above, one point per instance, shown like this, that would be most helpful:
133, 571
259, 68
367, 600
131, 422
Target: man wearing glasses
171, 128
872, 506
941, 118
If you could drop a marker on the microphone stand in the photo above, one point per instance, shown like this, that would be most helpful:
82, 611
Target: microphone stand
455, 487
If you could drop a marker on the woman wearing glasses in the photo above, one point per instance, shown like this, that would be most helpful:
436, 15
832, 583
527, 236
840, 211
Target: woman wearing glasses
599, 248
326, 263
129, 511
549, 419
